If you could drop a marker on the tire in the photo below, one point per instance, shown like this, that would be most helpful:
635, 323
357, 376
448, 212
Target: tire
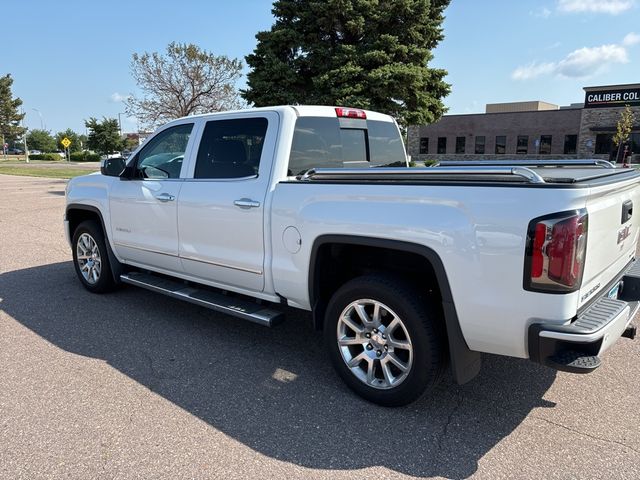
94, 272
403, 354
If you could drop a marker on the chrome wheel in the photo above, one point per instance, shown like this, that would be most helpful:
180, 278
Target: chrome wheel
374, 344
88, 258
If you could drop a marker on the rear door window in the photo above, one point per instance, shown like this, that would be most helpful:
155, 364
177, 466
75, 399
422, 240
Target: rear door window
231, 148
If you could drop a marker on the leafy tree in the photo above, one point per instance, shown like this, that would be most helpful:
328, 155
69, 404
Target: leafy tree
359, 53
104, 136
71, 135
623, 128
185, 81
10, 117
41, 140
131, 141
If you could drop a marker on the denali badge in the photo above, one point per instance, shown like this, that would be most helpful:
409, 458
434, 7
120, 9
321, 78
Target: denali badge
589, 293
623, 234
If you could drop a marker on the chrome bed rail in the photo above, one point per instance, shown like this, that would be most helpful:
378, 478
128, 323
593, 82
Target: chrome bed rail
421, 174
527, 163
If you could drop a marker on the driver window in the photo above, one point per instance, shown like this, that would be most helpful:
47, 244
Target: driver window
162, 157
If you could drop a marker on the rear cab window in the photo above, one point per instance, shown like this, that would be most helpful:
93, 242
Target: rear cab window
326, 142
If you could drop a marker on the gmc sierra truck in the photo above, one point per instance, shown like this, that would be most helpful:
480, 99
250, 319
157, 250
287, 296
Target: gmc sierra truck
405, 270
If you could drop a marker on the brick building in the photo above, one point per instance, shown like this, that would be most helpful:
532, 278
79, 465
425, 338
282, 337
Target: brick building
532, 130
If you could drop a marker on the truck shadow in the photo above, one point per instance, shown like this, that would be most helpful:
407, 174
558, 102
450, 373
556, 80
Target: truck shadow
273, 389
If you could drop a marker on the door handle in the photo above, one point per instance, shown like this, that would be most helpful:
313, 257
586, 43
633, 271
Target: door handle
165, 197
246, 203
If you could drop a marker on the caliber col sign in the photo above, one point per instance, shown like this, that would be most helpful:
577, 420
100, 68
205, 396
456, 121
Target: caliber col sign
612, 98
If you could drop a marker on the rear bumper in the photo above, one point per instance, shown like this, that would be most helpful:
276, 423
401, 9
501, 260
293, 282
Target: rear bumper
576, 346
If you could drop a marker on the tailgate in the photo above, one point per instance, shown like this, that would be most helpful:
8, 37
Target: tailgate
613, 234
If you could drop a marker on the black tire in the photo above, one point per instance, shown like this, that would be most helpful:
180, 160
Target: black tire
422, 325
105, 282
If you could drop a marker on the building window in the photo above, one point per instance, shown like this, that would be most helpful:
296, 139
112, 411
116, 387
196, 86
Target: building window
523, 144
460, 144
480, 145
570, 144
424, 145
501, 144
442, 144
545, 145
604, 143
634, 143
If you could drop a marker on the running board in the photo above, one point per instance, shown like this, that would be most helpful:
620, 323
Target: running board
219, 302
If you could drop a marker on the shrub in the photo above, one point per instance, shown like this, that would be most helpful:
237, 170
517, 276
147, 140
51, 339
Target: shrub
52, 157
84, 157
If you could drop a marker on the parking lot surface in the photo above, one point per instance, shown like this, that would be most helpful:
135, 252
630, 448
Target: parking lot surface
136, 385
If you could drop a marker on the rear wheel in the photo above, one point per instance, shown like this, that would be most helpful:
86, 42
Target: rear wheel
90, 258
384, 340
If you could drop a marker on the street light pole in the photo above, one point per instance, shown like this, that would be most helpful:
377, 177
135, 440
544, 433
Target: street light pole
41, 120
24, 138
120, 124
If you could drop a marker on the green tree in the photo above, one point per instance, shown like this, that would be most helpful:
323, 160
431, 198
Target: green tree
10, 117
359, 53
71, 135
41, 140
623, 128
104, 136
185, 81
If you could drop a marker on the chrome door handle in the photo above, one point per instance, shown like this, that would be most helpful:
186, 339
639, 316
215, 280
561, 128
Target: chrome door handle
246, 203
165, 197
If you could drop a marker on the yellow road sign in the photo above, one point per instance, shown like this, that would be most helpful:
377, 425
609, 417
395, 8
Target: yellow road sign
65, 142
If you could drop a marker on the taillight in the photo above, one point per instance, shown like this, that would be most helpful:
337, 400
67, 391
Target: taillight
351, 113
555, 254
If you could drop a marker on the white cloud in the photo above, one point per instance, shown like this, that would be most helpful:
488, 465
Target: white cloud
118, 97
532, 70
587, 61
613, 7
580, 63
630, 39
543, 12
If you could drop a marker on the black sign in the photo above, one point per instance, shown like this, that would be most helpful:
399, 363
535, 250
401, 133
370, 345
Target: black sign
612, 98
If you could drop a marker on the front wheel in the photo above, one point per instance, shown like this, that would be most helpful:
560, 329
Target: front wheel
384, 340
90, 258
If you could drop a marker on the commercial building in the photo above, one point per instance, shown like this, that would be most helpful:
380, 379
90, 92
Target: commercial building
533, 130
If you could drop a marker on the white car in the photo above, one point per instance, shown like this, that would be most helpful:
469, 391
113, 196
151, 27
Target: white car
405, 270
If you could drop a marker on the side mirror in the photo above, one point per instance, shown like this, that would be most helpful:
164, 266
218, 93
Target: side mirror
112, 167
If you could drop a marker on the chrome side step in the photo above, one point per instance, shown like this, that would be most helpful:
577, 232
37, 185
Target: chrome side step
244, 309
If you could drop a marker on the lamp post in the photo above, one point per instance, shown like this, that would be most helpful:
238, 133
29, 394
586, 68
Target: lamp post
41, 120
24, 137
120, 123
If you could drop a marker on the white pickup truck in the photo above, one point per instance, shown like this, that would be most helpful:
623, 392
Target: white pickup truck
406, 270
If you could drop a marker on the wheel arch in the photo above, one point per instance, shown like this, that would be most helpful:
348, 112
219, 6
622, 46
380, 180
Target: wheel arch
465, 363
75, 214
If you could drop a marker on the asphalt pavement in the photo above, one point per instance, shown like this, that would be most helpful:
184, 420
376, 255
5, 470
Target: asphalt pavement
136, 385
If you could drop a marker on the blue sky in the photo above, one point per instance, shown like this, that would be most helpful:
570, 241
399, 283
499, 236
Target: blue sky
70, 60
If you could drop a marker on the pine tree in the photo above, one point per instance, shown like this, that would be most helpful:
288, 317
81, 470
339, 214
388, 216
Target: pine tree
360, 53
10, 117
